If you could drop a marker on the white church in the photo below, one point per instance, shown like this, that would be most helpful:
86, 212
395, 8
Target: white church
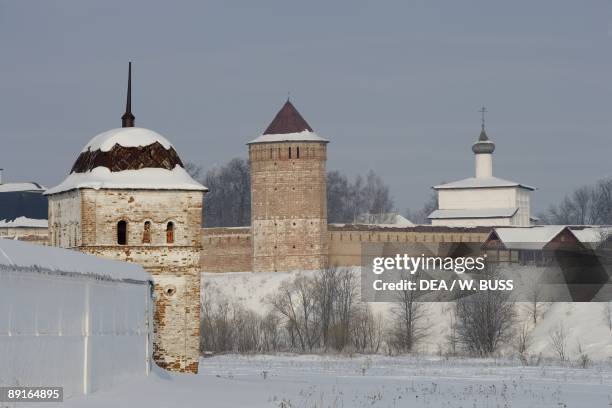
483, 200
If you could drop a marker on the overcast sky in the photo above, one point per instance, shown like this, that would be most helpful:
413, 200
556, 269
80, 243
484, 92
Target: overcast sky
395, 85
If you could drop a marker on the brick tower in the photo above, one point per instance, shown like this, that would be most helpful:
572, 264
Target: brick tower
288, 195
129, 198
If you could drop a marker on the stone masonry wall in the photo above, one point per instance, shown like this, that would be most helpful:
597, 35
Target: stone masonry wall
174, 266
288, 206
226, 250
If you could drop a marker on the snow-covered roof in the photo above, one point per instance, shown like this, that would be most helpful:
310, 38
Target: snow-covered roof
384, 220
592, 236
303, 136
481, 182
288, 126
532, 238
126, 137
474, 213
143, 179
15, 187
23, 254
21, 222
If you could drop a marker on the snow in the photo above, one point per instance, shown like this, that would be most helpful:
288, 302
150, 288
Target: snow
147, 179
474, 213
22, 254
126, 137
14, 187
584, 321
24, 222
289, 381
303, 136
591, 236
481, 182
528, 238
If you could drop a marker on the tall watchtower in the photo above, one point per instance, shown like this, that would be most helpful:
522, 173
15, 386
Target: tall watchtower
288, 195
129, 198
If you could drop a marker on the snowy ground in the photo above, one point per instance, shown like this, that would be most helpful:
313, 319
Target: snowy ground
587, 324
376, 381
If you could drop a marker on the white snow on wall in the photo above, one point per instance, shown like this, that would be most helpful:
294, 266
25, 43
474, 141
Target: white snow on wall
81, 331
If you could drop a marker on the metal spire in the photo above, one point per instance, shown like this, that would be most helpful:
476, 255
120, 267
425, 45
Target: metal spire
482, 111
127, 120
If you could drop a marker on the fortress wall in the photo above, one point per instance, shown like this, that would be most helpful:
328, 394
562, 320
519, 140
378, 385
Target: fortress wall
226, 250
345, 241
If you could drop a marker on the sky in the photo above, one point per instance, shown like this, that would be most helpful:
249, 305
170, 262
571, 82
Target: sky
394, 85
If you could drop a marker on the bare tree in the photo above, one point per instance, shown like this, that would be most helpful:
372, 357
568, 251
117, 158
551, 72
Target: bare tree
558, 341
346, 200
523, 342
420, 216
367, 330
585, 205
485, 320
228, 202
607, 312
296, 302
584, 361
409, 325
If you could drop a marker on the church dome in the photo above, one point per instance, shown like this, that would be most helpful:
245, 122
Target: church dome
129, 148
128, 157
483, 144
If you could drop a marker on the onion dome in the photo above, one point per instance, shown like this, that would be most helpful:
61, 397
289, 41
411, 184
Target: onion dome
128, 158
483, 144
288, 126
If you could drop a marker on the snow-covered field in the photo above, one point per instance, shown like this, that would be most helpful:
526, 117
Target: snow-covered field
586, 324
364, 381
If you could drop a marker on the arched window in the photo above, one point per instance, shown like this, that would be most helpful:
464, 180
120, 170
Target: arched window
146, 233
170, 233
122, 232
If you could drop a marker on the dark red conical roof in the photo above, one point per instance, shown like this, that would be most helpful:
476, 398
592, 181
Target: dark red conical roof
287, 120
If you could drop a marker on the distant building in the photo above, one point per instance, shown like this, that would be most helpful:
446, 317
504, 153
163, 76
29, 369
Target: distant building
23, 211
483, 200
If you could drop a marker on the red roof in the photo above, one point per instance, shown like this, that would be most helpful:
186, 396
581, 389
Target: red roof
287, 120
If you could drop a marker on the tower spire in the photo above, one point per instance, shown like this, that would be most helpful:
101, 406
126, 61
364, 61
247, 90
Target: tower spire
482, 111
127, 120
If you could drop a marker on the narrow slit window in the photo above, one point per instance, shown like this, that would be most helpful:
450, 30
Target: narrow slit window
170, 233
289, 152
122, 232
146, 233
297, 152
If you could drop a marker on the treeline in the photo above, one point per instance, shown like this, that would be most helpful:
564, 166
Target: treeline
590, 204
228, 203
322, 313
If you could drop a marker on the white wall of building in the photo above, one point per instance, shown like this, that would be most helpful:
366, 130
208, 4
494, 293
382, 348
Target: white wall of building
83, 332
477, 198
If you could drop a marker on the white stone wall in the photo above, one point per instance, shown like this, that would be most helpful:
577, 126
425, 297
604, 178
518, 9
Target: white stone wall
65, 219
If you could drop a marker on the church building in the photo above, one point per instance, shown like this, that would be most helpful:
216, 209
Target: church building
483, 200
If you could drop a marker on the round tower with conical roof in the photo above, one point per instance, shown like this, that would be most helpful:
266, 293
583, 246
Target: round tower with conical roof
288, 195
128, 197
